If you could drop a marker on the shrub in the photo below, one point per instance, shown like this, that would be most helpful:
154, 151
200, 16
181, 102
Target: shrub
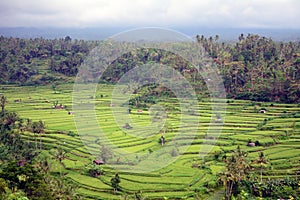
212, 184
174, 152
72, 134
272, 188
217, 155
257, 143
202, 190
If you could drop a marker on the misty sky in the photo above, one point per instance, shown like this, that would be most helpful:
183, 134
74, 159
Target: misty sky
168, 13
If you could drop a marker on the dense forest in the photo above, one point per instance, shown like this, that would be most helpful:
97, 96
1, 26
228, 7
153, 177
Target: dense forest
254, 67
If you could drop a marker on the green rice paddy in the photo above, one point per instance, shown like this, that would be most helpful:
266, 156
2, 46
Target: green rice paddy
278, 130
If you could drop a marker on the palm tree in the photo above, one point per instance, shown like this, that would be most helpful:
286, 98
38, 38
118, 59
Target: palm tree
198, 38
241, 37
236, 170
262, 161
217, 37
210, 39
60, 155
10, 120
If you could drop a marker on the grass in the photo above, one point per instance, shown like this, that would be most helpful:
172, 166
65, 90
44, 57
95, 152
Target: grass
178, 179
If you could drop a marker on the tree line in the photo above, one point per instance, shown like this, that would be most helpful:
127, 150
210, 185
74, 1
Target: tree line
255, 67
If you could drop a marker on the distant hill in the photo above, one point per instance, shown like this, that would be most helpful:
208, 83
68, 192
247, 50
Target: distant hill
226, 34
51, 33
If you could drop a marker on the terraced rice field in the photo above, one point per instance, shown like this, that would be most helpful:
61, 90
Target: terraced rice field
277, 130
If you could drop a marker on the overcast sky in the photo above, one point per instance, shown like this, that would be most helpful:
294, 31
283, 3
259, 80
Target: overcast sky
164, 13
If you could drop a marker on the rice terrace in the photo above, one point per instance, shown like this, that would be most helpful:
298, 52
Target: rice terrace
276, 131
256, 155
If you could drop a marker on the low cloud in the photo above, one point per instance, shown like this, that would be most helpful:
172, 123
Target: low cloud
211, 13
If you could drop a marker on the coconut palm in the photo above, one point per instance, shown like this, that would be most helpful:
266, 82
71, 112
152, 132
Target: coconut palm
262, 161
236, 170
10, 119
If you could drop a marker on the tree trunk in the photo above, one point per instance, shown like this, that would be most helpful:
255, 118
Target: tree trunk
35, 141
261, 174
40, 142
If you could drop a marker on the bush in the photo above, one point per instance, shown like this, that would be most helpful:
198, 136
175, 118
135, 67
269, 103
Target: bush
72, 134
273, 188
174, 152
257, 143
212, 184
217, 155
202, 190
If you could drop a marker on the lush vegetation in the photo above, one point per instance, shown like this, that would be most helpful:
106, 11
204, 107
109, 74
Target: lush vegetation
255, 67
25, 171
255, 157
272, 174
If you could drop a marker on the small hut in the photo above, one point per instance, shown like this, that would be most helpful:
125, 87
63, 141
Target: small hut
251, 144
263, 111
98, 162
127, 126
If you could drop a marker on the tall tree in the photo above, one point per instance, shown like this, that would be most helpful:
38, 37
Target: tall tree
115, 181
60, 155
9, 120
262, 161
3, 102
236, 169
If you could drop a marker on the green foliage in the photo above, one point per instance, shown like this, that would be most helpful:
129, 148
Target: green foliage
115, 181
255, 68
106, 153
22, 173
237, 169
3, 102
12, 146
274, 189
95, 170
174, 181
25, 178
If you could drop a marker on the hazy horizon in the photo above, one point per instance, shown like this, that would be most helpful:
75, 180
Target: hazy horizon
99, 33
89, 19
